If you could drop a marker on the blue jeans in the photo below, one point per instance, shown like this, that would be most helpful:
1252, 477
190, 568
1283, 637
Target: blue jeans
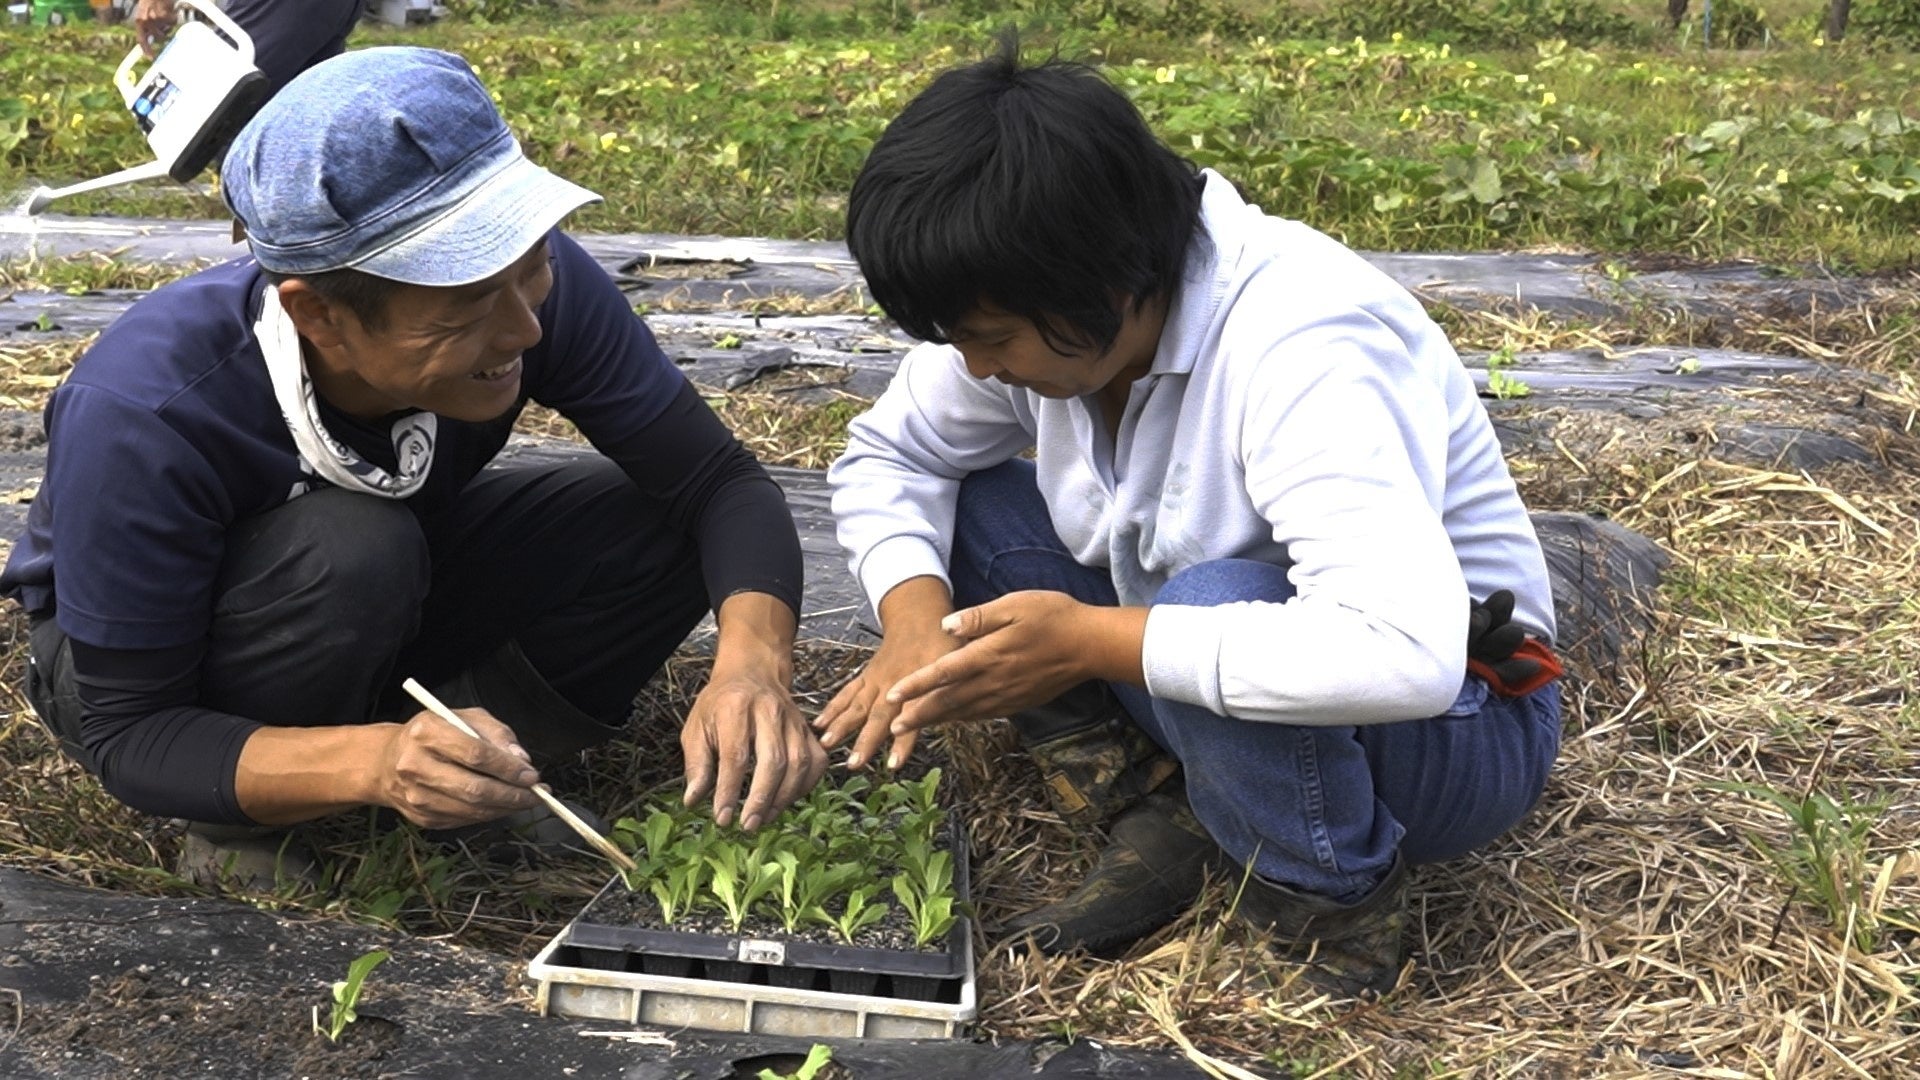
1322, 809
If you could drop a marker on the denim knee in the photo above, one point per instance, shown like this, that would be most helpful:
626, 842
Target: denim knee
1226, 581
991, 499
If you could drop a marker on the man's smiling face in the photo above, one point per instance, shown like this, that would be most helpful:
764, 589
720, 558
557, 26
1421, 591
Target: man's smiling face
454, 351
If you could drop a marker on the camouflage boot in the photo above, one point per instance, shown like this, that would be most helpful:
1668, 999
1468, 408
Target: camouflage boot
1352, 950
1154, 866
1095, 760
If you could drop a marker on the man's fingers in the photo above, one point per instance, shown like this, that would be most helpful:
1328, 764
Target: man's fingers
769, 762
698, 751
733, 738
494, 731
806, 761
491, 755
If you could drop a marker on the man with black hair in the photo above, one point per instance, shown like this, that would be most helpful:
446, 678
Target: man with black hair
1222, 603
274, 493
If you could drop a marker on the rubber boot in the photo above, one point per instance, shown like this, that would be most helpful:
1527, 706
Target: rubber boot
1095, 761
1351, 949
246, 858
1154, 866
547, 725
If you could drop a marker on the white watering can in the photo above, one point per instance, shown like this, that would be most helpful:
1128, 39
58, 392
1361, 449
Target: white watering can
194, 98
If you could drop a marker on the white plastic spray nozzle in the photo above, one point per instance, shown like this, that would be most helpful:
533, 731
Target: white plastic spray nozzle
43, 197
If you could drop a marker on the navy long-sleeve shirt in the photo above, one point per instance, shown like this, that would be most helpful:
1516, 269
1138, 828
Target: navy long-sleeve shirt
167, 433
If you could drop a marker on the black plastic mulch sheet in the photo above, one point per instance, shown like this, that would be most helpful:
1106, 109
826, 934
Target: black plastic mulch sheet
111, 986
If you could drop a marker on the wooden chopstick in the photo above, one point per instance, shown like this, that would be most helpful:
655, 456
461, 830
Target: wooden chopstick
600, 843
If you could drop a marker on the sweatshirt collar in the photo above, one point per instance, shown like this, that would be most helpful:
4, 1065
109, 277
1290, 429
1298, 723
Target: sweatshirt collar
1211, 261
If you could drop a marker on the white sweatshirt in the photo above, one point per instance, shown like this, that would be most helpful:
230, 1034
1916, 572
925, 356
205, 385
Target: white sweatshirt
1301, 410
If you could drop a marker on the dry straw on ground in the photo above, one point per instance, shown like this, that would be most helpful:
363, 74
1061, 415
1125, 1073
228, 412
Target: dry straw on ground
1659, 914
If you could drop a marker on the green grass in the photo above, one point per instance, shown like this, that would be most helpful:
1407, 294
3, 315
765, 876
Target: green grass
694, 119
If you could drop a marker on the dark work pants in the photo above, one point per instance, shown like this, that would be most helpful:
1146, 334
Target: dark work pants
325, 604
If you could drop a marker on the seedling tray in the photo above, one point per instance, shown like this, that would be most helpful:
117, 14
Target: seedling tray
569, 987
777, 959
761, 984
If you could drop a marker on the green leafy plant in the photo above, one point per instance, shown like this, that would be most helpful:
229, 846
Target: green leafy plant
857, 912
1825, 860
346, 996
825, 861
926, 893
741, 876
1501, 383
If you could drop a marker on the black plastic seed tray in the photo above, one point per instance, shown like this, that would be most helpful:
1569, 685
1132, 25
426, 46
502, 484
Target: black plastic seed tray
907, 974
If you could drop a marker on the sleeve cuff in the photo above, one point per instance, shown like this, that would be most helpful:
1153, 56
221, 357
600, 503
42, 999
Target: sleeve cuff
895, 560
1180, 654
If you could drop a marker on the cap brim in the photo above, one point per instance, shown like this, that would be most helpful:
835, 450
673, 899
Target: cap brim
499, 222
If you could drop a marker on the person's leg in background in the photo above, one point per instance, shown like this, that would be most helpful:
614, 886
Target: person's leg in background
288, 38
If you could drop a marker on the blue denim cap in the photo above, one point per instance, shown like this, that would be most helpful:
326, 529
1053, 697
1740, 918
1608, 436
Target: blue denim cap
393, 161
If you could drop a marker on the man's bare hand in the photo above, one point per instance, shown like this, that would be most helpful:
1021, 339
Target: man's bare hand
439, 777
153, 20
747, 719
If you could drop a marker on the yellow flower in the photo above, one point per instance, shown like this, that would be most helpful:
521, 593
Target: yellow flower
1547, 99
1164, 74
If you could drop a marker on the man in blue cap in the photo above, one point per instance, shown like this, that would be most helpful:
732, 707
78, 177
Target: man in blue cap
268, 500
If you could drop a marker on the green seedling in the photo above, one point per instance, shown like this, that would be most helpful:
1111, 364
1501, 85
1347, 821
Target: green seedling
346, 996
680, 886
1826, 860
1500, 382
1505, 387
926, 892
741, 877
790, 874
824, 861
856, 914
817, 1059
